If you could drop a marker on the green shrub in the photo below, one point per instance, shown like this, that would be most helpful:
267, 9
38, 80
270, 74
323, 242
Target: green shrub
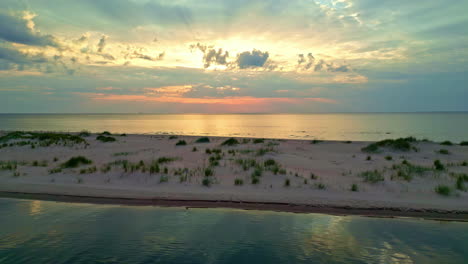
401, 144
203, 140
173, 137
354, 188
206, 181
162, 160
313, 176
438, 165
163, 178
154, 167
257, 172
230, 142
269, 162
369, 158
464, 143
258, 140
446, 143
105, 139
181, 143
388, 157
238, 182
209, 172
316, 141
443, 190
84, 133
461, 182
464, 163
255, 180
320, 186
348, 142
287, 182
75, 162
194, 149
106, 133
372, 176
406, 170
443, 152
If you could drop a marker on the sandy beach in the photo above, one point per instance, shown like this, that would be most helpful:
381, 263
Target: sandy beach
242, 172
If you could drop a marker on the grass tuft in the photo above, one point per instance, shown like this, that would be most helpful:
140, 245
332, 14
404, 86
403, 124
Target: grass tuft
75, 162
230, 142
372, 176
105, 139
238, 182
438, 165
401, 144
443, 190
203, 140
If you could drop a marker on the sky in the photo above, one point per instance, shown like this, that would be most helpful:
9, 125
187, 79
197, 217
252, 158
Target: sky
233, 56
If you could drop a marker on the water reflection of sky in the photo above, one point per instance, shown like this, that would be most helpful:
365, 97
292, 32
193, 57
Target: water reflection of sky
82, 232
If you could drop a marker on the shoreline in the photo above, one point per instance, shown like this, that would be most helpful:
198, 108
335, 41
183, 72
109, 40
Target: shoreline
377, 212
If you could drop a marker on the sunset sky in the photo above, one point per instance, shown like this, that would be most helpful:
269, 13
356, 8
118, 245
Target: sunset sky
233, 56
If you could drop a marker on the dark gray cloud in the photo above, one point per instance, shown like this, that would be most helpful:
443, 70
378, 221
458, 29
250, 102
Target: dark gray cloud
215, 57
102, 43
15, 29
308, 63
142, 56
252, 59
211, 55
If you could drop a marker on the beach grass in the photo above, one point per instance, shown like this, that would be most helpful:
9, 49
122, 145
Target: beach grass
75, 162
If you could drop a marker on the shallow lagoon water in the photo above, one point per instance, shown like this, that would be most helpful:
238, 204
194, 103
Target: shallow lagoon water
33, 231
364, 126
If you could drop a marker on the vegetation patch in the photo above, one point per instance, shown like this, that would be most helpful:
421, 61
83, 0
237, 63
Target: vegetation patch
316, 141
238, 181
75, 162
320, 186
84, 133
45, 138
443, 190
230, 142
287, 182
181, 143
464, 143
203, 140
438, 165
105, 139
372, 176
258, 140
163, 178
106, 133
443, 152
401, 144
446, 143
406, 170
354, 188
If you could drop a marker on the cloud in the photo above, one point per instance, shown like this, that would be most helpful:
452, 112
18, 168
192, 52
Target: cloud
253, 59
308, 63
22, 30
304, 63
142, 56
102, 43
11, 58
210, 55
215, 57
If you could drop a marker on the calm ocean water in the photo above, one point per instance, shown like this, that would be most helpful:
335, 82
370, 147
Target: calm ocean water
434, 126
51, 232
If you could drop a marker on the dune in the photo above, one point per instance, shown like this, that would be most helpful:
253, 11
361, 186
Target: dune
294, 175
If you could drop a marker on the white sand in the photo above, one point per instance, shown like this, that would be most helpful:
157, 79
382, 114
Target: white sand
336, 164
